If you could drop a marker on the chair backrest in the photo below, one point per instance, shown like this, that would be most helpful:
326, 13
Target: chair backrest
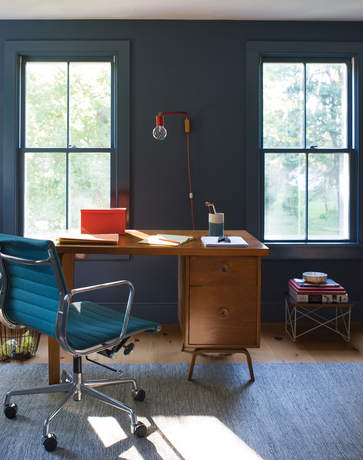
32, 283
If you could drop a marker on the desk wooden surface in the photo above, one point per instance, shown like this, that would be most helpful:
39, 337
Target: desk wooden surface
129, 244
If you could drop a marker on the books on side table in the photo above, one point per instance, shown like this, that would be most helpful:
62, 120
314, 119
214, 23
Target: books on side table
327, 292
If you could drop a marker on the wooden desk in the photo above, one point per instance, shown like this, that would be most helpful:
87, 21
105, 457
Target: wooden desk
219, 290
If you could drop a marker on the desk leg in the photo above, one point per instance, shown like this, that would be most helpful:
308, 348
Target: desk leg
67, 261
198, 351
53, 361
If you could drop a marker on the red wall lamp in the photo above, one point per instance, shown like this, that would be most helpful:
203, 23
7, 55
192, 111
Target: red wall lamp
159, 133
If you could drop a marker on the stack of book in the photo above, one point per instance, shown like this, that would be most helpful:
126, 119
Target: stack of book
327, 292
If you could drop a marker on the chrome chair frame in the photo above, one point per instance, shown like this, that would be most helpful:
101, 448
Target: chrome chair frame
73, 385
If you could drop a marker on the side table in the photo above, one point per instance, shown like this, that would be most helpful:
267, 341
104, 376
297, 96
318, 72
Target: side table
317, 313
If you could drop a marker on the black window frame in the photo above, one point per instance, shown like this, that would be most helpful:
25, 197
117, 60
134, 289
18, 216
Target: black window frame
119, 53
349, 149
255, 53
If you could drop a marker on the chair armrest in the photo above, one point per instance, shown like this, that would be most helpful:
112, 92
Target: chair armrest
96, 287
61, 324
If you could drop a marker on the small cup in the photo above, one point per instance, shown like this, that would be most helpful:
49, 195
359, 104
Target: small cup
216, 224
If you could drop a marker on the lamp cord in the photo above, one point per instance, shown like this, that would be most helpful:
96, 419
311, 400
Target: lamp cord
190, 183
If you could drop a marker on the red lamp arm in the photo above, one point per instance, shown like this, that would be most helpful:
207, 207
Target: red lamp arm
160, 120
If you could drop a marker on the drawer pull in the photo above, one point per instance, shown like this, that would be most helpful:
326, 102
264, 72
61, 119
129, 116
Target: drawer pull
223, 313
223, 269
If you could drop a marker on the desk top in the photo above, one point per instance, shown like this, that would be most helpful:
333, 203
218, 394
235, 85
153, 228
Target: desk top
128, 244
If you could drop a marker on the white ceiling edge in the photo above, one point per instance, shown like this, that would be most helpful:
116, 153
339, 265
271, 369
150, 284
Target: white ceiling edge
286, 10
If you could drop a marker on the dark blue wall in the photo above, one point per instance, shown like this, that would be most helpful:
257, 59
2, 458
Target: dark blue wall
198, 67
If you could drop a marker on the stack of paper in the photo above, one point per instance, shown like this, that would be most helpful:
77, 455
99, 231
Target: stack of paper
85, 238
235, 242
168, 240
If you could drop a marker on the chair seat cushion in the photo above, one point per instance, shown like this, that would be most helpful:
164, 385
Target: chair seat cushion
90, 324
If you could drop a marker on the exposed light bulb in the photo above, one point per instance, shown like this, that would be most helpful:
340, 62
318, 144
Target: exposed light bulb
159, 132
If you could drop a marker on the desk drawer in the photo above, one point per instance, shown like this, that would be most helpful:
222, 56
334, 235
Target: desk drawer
224, 317
223, 270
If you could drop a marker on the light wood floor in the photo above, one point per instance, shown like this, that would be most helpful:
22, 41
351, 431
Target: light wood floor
321, 345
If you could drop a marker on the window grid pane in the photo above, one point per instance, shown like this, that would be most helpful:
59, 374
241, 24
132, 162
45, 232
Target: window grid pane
46, 104
285, 196
89, 184
326, 105
90, 104
44, 193
283, 105
328, 196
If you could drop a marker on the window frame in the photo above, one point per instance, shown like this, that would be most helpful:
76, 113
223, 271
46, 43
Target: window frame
119, 52
255, 52
349, 149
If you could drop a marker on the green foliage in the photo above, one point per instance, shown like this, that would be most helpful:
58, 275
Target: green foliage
47, 189
286, 104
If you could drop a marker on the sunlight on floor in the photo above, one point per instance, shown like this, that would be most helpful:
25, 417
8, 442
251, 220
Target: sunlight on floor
132, 454
108, 430
176, 438
197, 437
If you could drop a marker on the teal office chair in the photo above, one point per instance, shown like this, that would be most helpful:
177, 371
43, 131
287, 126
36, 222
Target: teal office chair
34, 295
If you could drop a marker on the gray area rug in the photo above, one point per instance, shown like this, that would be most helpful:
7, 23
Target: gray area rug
307, 411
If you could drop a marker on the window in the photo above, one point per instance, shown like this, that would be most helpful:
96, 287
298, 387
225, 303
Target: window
302, 142
306, 135
71, 141
66, 142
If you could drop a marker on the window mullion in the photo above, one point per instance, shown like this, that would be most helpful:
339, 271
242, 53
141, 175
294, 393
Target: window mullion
306, 165
68, 146
306, 196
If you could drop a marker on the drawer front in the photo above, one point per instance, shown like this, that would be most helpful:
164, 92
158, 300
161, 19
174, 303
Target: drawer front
206, 270
224, 317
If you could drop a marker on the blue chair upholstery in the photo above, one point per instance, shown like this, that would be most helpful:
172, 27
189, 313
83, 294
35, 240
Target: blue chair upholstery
34, 294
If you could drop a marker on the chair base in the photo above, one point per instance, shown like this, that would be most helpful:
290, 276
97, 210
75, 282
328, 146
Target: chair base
74, 388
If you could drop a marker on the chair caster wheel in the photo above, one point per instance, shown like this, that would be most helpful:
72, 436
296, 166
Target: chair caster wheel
129, 348
11, 410
138, 394
140, 430
50, 443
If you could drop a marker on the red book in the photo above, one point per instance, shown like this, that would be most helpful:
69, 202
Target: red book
315, 289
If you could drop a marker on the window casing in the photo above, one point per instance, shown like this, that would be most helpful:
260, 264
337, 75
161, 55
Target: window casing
256, 54
21, 150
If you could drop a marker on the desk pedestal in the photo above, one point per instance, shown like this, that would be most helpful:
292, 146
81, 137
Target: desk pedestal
219, 304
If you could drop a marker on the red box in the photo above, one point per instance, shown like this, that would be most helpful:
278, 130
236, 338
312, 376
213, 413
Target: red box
96, 221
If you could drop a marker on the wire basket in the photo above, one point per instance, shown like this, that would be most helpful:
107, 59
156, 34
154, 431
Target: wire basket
18, 343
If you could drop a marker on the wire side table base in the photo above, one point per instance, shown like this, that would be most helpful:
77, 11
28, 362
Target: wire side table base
314, 312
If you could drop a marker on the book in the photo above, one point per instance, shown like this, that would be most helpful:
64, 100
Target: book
318, 298
316, 289
328, 283
87, 238
167, 240
212, 242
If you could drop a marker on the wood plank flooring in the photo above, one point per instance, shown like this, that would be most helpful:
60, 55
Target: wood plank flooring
321, 345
